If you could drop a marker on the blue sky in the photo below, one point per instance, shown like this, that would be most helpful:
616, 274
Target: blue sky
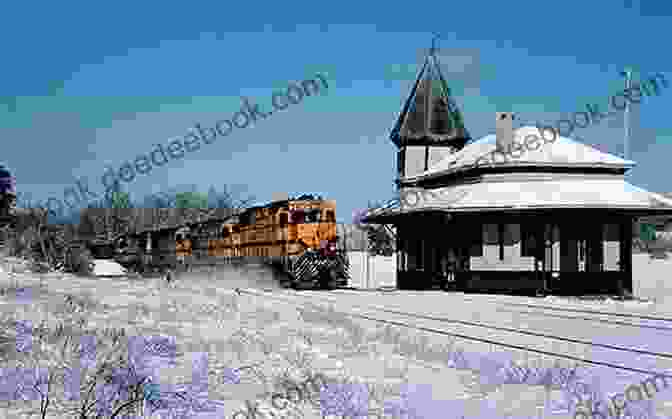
86, 85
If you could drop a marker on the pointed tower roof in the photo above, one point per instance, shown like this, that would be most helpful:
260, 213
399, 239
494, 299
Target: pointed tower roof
430, 114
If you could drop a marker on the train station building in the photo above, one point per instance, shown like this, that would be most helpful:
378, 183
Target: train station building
556, 219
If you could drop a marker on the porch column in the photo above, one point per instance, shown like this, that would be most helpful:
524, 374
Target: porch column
626, 254
551, 248
556, 237
401, 249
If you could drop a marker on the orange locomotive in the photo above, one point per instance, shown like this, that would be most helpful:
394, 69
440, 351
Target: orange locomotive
296, 236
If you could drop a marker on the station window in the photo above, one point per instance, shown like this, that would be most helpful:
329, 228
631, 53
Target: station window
500, 238
411, 255
531, 240
283, 219
475, 235
330, 217
297, 216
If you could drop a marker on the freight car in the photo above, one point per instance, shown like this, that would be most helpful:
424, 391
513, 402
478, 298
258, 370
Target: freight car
155, 250
297, 238
183, 243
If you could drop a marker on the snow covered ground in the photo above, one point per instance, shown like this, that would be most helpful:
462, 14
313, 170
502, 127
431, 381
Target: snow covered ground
273, 339
205, 315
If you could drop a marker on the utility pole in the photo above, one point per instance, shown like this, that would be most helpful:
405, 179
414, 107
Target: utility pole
626, 119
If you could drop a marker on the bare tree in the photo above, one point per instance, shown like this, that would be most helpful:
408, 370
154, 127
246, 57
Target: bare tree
381, 239
30, 227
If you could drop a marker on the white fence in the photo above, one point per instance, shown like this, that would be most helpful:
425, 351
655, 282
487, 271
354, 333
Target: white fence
651, 278
372, 271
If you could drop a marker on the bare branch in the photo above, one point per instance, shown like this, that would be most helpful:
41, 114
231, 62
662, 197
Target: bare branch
125, 405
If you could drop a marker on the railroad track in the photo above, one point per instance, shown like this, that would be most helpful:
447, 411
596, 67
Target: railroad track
541, 310
578, 310
411, 320
604, 321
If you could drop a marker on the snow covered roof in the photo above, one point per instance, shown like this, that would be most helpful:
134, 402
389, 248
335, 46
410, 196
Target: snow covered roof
563, 152
531, 191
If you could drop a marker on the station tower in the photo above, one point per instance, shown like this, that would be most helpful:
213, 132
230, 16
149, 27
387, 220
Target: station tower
430, 125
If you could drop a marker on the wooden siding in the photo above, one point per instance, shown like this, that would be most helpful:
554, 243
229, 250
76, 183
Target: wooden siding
436, 154
415, 160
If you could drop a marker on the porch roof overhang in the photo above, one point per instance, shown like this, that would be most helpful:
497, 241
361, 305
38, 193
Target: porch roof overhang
508, 195
392, 216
